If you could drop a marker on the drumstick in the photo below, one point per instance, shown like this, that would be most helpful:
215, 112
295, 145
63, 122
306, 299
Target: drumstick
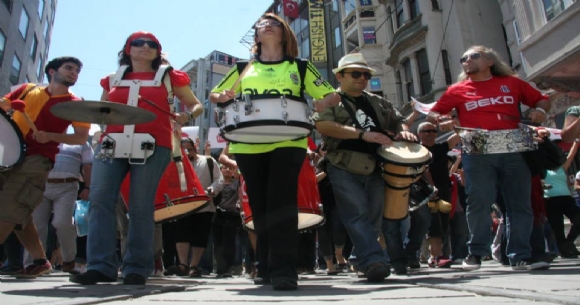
237, 83
158, 107
19, 105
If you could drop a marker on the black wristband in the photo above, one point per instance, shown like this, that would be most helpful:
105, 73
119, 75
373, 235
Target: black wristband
87, 187
360, 135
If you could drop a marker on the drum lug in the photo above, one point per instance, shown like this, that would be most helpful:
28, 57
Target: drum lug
248, 107
285, 116
283, 101
235, 105
168, 200
195, 192
236, 119
221, 117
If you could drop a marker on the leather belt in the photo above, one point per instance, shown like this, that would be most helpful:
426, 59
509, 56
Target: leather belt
62, 180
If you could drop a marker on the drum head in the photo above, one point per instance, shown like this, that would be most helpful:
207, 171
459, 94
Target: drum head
12, 143
405, 153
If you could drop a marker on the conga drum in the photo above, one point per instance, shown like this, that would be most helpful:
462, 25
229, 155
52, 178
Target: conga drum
310, 215
171, 202
402, 164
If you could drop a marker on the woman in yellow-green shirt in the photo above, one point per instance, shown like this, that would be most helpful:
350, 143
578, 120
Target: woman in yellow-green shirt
271, 170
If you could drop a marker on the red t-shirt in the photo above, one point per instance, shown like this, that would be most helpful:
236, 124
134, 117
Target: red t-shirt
491, 104
38, 103
160, 128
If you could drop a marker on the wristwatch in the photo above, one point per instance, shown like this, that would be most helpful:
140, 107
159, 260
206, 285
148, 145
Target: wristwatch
190, 116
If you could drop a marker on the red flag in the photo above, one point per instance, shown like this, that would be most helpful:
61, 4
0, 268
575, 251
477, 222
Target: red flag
290, 8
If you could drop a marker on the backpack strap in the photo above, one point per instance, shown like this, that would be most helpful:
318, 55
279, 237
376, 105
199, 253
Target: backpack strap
25, 93
210, 166
302, 65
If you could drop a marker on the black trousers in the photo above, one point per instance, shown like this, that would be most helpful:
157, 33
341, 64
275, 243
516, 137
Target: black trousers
272, 187
224, 243
558, 207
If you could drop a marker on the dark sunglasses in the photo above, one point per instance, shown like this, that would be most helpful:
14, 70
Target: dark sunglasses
358, 74
140, 42
429, 131
265, 23
472, 56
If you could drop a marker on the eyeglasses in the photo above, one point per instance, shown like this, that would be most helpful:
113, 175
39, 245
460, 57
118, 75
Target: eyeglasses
472, 56
358, 74
429, 131
140, 42
268, 22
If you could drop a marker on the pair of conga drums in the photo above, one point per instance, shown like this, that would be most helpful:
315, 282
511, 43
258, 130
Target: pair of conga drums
403, 164
309, 209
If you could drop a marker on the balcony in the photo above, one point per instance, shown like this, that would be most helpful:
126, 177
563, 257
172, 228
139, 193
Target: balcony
410, 34
551, 55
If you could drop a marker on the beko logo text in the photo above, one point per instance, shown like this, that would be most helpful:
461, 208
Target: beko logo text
500, 100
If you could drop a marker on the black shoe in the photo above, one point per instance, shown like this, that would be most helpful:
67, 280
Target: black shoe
377, 272
11, 270
262, 281
284, 283
399, 268
471, 262
91, 277
530, 264
413, 263
134, 279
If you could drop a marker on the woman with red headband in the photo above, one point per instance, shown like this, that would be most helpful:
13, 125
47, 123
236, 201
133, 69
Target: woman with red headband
139, 59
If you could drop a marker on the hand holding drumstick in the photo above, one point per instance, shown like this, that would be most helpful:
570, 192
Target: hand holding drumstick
19, 105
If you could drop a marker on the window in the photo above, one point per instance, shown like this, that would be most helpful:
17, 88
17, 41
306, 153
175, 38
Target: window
399, 84
15, 71
553, 8
391, 26
337, 37
399, 12
414, 10
446, 68
369, 35
8, 4
46, 31
33, 47
2, 46
349, 6
39, 71
435, 5
40, 8
305, 48
367, 14
366, 2
375, 84
52, 10
424, 75
408, 78
23, 26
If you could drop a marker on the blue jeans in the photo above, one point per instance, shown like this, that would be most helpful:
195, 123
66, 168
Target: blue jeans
106, 182
360, 200
483, 174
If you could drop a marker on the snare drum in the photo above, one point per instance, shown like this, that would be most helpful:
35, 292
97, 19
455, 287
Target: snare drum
310, 215
403, 163
12, 145
170, 201
264, 119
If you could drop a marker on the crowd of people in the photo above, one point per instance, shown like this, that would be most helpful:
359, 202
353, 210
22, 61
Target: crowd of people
486, 198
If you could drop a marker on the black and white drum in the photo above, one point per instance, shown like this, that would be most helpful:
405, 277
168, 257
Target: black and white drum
264, 119
12, 145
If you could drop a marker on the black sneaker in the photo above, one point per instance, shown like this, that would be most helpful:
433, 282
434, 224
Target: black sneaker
91, 277
530, 264
377, 272
472, 262
413, 263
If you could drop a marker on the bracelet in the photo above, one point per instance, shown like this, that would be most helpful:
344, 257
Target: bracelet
87, 187
540, 110
189, 115
361, 134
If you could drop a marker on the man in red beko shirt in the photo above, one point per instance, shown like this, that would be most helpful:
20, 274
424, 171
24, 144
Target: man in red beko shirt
486, 99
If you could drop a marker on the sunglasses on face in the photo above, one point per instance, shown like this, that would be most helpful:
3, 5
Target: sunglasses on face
468, 56
140, 42
429, 131
265, 23
358, 74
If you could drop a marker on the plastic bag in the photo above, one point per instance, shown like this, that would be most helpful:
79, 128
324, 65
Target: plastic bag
82, 217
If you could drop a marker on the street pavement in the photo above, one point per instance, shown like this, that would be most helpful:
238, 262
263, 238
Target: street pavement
492, 284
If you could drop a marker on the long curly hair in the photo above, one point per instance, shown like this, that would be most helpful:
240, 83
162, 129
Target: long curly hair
289, 42
499, 67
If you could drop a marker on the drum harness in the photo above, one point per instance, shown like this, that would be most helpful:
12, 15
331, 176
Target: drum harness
133, 145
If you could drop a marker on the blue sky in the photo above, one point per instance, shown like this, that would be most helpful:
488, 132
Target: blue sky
95, 31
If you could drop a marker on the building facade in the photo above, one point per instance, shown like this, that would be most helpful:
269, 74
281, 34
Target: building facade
205, 74
544, 45
25, 33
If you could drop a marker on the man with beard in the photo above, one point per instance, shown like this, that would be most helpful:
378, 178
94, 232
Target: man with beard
486, 99
22, 186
